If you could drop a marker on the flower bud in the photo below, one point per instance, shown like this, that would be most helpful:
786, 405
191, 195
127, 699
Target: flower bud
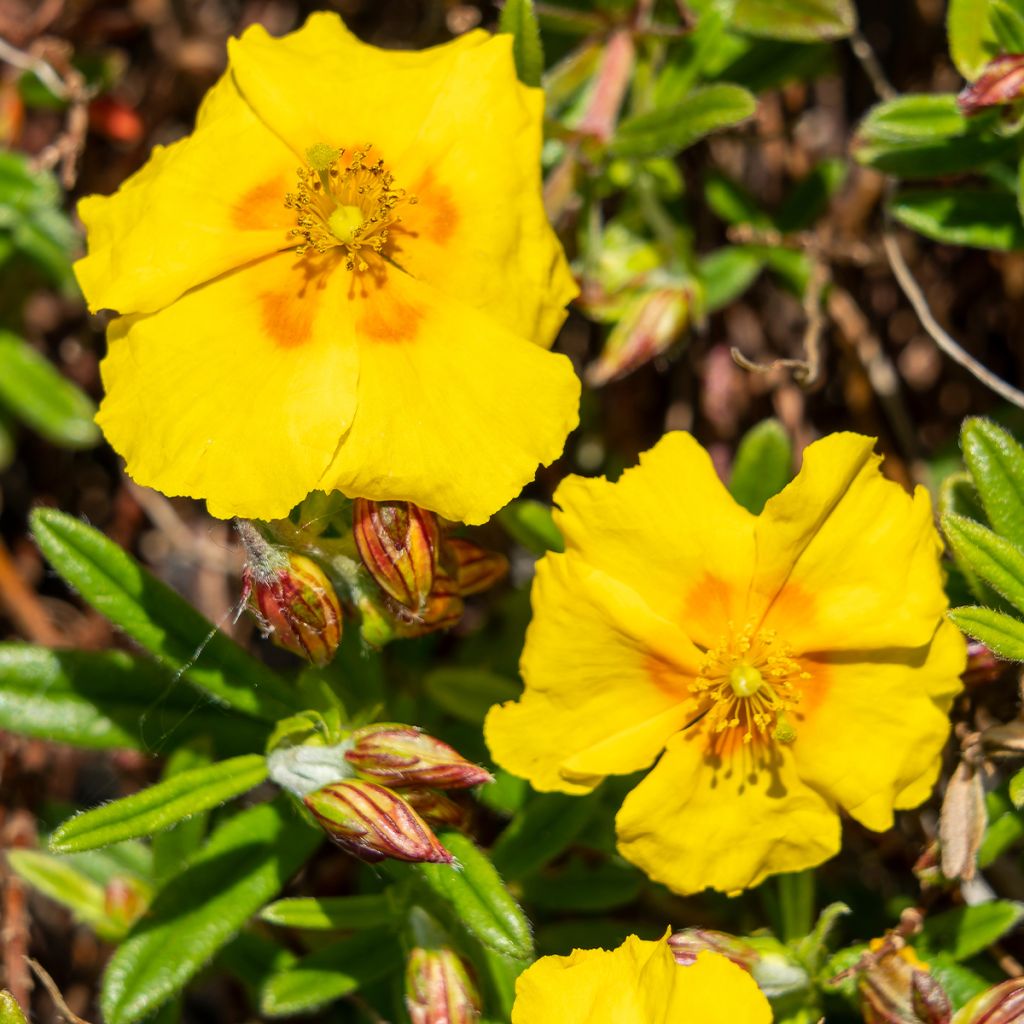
896, 988
1002, 1004
124, 901
686, 944
373, 823
442, 609
398, 544
436, 808
475, 568
438, 990
291, 597
982, 666
650, 324
1001, 81
400, 755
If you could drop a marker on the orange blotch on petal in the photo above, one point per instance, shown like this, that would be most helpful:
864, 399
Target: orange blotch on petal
287, 318
435, 215
386, 317
262, 206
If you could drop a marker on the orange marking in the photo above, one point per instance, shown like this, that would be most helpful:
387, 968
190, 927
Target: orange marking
262, 207
435, 215
387, 317
288, 319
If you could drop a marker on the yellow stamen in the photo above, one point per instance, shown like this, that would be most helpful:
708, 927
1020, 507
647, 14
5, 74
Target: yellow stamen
751, 682
351, 205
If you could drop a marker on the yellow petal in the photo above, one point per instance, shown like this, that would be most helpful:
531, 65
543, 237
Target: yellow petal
847, 560
699, 821
320, 84
599, 697
874, 740
198, 208
454, 412
670, 531
638, 983
478, 230
243, 387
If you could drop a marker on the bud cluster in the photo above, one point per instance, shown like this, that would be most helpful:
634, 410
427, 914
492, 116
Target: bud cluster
422, 574
381, 809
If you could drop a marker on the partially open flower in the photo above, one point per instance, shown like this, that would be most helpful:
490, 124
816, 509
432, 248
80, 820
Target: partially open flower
438, 989
373, 823
401, 755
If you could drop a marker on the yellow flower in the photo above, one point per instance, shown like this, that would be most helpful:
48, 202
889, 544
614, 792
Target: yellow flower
638, 983
374, 322
788, 664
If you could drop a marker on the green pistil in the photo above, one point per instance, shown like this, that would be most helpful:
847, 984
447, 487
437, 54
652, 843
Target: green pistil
745, 680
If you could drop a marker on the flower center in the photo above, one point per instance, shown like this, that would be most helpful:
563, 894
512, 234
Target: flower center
751, 683
351, 204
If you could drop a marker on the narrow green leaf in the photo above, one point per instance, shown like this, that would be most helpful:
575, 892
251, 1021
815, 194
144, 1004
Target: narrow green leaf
472, 896
998, 562
531, 524
469, 693
109, 699
61, 881
967, 931
763, 465
542, 830
666, 131
726, 274
960, 216
175, 846
519, 18
10, 1011
996, 464
971, 37
34, 390
252, 958
1007, 25
153, 615
245, 863
1017, 788
804, 21
915, 117
341, 913
498, 974
1002, 634
160, 806
582, 887
330, 973
732, 202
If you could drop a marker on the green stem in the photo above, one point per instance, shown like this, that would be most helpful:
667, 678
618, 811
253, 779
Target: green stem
793, 901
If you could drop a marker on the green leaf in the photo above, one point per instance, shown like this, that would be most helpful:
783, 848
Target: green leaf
330, 973
177, 844
915, 117
34, 390
10, 1011
726, 274
583, 887
245, 863
157, 618
161, 805
1017, 788
967, 931
472, 896
996, 464
531, 524
666, 131
340, 913
252, 958
960, 216
732, 202
998, 562
803, 21
469, 693
1008, 25
763, 465
542, 830
1002, 634
62, 881
109, 699
971, 36
1004, 829
519, 18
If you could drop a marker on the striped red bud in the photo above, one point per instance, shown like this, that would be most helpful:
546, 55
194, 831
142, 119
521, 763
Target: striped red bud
400, 755
438, 989
475, 568
374, 823
398, 543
